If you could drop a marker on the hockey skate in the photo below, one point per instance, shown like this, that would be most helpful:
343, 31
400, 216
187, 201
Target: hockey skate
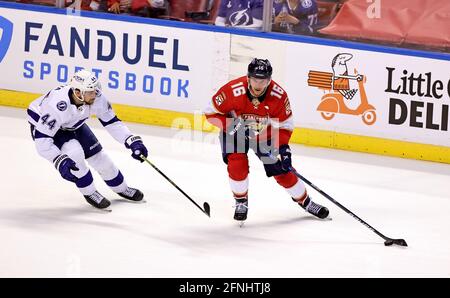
314, 208
240, 213
98, 201
132, 194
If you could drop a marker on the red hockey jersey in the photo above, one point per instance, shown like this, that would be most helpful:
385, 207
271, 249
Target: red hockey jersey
270, 118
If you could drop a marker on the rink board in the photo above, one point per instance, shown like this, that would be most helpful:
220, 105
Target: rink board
164, 73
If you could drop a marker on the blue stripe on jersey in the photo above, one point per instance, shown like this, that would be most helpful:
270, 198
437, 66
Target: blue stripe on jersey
40, 135
116, 181
33, 115
78, 123
84, 181
113, 120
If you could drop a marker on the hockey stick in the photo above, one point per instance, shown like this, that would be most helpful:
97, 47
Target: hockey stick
388, 241
205, 209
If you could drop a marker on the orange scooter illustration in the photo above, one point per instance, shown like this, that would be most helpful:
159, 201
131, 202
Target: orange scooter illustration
333, 102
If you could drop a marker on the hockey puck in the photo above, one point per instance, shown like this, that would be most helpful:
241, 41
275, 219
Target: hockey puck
388, 242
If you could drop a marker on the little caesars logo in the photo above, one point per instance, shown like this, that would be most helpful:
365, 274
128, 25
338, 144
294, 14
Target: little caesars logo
340, 89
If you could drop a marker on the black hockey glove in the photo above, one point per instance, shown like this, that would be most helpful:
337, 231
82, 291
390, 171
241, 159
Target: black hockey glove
285, 155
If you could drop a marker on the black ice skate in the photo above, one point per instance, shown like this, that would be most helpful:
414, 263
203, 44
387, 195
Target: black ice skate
132, 194
314, 208
97, 200
240, 213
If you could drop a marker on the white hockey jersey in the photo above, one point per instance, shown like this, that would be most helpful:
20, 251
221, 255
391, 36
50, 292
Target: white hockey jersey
54, 111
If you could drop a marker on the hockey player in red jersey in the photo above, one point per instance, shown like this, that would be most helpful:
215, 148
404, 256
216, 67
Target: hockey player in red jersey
253, 111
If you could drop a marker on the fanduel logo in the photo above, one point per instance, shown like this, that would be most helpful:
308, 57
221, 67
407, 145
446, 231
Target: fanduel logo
5, 36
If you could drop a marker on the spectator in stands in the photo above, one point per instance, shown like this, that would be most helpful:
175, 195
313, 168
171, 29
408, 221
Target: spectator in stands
119, 6
241, 14
38, 2
89, 5
140, 7
78, 4
295, 16
147, 8
150, 8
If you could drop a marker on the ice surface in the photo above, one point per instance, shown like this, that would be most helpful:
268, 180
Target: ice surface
48, 230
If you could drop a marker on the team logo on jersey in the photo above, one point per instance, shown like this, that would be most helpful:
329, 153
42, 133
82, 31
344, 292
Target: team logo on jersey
255, 102
306, 3
256, 123
240, 17
219, 99
62, 106
6, 35
342, 90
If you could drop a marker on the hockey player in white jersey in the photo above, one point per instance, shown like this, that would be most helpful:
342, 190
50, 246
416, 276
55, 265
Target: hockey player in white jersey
62, 137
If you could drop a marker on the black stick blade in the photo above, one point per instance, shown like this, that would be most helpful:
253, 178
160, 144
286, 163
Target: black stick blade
400, 242
207, 209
